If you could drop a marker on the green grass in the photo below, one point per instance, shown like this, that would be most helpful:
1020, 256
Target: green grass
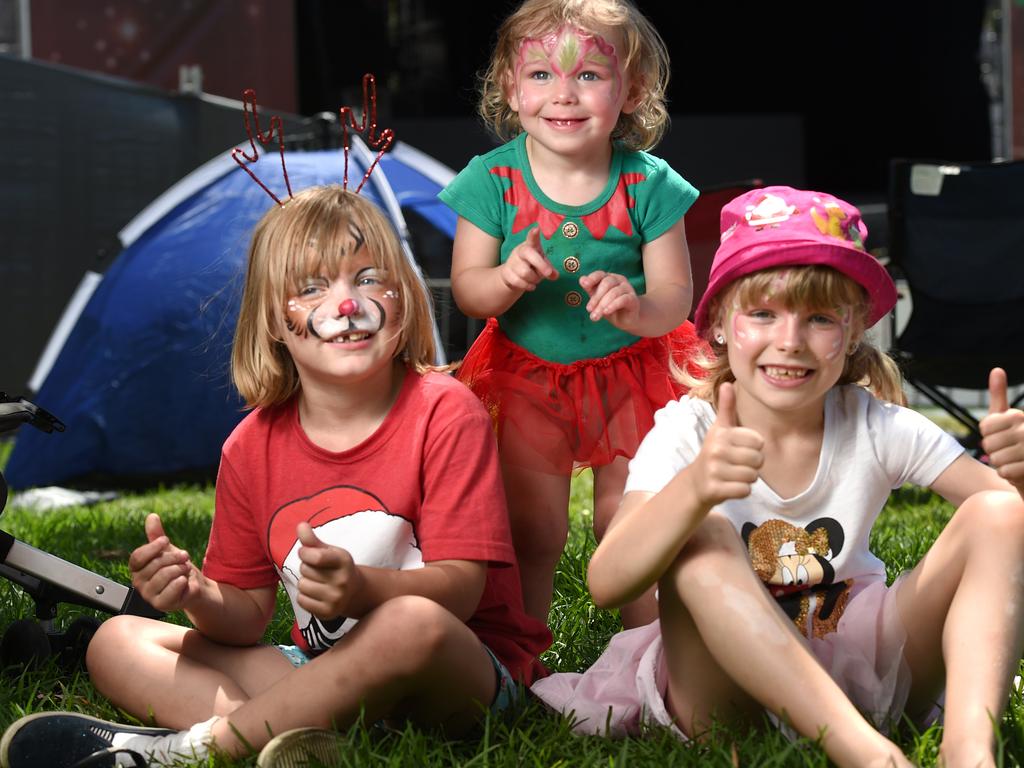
100, 538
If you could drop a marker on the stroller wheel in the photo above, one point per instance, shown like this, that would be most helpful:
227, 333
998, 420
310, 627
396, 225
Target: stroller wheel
70, 647
24, 644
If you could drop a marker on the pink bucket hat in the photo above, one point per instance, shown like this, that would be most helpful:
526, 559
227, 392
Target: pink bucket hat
782, 226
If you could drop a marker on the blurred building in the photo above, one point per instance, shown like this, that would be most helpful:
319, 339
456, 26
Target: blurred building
217, 46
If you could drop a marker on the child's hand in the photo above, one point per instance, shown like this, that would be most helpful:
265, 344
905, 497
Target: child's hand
527, 265
161, 573
1002, 432
730, 457
330, 579
611, 296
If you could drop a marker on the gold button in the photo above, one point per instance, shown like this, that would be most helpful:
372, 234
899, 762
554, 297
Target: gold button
571, 264
573, 298
570, 229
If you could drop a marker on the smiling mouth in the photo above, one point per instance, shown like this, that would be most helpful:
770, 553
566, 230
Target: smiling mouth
350, 337
789, 374
564, 123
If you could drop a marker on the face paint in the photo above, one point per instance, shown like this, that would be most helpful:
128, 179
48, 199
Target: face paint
840, 345
326, 319
739, 334
566, 53
347, 308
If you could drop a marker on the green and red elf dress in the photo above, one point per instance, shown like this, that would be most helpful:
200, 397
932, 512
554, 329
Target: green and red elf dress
564, 390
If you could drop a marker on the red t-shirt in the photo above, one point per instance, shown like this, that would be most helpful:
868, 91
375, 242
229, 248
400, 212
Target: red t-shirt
425, 486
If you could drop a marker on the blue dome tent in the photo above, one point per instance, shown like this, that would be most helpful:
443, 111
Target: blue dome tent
138, 368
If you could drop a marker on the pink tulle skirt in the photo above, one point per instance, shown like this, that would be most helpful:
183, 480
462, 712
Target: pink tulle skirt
625, 688
552, 417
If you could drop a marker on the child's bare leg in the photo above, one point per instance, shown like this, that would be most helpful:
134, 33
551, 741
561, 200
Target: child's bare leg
155, 670
728, 644
963, 606
538, 505
409, 658
609, 482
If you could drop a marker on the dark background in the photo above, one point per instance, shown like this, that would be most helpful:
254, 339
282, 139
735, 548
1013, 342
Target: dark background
816, 95
868, 81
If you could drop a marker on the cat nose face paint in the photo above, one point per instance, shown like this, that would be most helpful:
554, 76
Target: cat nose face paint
355, 304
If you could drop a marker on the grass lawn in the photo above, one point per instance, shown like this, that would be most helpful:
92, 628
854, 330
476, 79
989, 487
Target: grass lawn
100, 538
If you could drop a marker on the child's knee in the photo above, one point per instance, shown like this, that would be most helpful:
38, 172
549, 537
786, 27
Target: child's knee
412, 629
541, 541
713, 551
993, 516
110, 641
714, 540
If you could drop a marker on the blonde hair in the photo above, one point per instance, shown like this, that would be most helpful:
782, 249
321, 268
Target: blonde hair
645, 59
306, 235
814, 287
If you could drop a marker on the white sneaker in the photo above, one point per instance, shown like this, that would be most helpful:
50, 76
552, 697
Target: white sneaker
302, 747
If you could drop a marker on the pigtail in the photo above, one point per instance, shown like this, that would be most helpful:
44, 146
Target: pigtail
876, 371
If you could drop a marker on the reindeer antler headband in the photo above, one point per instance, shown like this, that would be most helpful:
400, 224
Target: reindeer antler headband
380, 142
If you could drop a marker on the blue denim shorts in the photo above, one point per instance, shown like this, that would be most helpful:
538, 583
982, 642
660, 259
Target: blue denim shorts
505, 697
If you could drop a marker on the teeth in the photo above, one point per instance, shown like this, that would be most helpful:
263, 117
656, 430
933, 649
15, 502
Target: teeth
785, 373
359, 336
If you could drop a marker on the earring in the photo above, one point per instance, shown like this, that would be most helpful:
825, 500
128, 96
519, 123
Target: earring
719, 338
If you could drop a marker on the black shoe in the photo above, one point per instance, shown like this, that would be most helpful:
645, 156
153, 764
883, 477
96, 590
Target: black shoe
70, 740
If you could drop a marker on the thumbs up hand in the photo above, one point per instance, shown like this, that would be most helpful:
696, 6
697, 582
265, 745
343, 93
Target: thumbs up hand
330, 580
527, 264
1002, 432
730, 457
161, 572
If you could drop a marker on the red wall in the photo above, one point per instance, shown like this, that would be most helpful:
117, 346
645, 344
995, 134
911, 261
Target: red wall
238, 43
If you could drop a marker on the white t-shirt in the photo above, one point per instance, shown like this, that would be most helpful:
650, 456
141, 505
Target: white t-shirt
811, 550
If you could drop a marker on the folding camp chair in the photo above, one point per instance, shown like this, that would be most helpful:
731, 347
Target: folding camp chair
956, 234
702, 229
48, 580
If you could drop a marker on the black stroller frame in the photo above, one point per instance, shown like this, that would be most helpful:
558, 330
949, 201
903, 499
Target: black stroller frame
50, 580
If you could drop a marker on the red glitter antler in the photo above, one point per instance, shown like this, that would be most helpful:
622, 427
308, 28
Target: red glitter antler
249, 98
380, 142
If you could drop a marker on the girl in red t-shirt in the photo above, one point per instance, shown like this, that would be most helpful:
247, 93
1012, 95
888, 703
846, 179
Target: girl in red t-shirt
365, 482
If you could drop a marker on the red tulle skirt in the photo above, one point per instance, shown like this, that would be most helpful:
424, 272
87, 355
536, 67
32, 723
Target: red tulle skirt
551, 417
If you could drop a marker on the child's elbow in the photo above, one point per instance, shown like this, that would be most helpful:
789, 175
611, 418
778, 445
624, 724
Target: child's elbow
604, 600
465, 299
603, 590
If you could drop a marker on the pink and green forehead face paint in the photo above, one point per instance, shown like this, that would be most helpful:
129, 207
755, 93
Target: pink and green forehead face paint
569, 51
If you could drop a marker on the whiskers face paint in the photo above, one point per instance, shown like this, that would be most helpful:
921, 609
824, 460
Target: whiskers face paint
342, 319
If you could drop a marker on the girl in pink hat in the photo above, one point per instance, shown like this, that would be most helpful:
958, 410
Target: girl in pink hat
762, 486
570, 240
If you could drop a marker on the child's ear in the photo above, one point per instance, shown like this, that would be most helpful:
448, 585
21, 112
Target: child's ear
636, 94
854, 344
718, 333
511, 96
856, 337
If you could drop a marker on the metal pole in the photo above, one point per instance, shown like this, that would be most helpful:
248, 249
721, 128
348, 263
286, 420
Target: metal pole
24, 29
